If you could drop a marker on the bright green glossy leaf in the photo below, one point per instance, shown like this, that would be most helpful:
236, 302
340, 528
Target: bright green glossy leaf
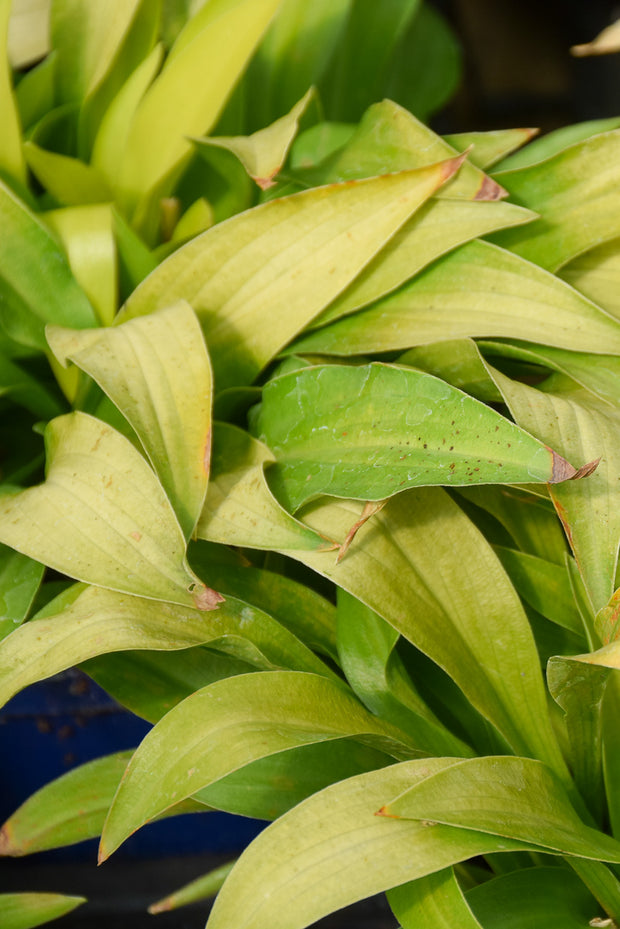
549, 897
197, 218
208, 56
579, 424
68, 180
332, 850
489, 147
102, 517
374, 670
518, 798
576, 194
554, 142
36, 284
88, 238
372, 431
24, 911
303, 611
225, 726
156, 370
35, 92
203, 888
288, 258
314, 144
36, 394
388, 138
596, 274
544, 585
611, 753
71, 808
437, 228
402, 565
478, 290
20, 578
263, 153
432, 902
12, 164
113, 131
240, 508
135, 260
101, 621
458, 362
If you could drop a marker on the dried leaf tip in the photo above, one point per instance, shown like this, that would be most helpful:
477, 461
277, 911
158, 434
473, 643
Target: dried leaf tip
562, 470
7, 849
206, 599
490, 190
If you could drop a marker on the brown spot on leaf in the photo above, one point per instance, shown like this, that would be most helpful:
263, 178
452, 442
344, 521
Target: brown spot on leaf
136, 535
206, 456
206, 599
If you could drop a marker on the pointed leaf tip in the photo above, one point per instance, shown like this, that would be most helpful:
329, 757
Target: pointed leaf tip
490, 190
562, 470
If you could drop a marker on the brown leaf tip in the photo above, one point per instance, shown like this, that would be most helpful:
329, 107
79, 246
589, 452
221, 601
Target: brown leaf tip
7, 848
490, 190
384, 812
562, 470
206, 599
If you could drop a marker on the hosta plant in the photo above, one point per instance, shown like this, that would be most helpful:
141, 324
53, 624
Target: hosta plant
338, 497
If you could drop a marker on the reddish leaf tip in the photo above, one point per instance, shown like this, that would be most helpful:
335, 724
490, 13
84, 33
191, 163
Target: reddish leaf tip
384, 812
162, 906
265, 182
7, 848
490, 190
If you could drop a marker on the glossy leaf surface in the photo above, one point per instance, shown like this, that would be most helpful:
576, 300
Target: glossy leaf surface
433, 902
24, 911
371, 431
20, 578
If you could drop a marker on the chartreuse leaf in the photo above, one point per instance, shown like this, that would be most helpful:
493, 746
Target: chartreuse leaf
432, 902
487, 148
20, 578
518, 798
28, 32
156, 370
67, 180
554, 142
203, 888
576, 194
102, 517
240, 509
88, 238
303, 611
478, 290
24, 911
113, 132
403, 567
596, 274
101, 621
549, 897
263, 153
579, 424
332, 850
286, 259
225, 726
611, 753
86, 38
436, 228
368, 432
366, 651
209, 55
458, 362
600, 377
36, 283
70, 808
12, 164
389, 138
